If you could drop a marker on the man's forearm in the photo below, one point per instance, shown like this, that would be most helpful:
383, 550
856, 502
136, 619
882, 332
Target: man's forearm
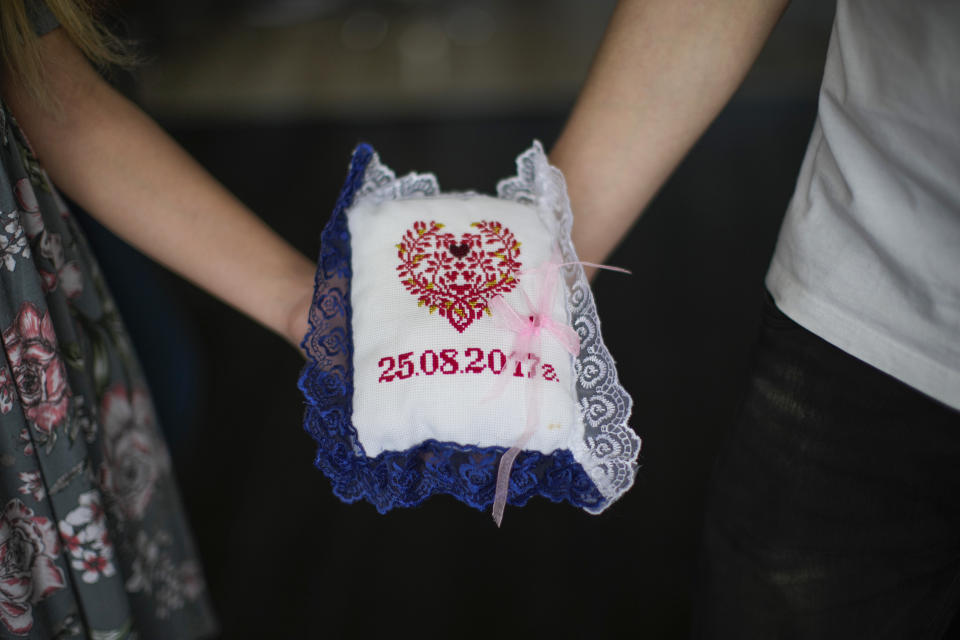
664, 71
120, 166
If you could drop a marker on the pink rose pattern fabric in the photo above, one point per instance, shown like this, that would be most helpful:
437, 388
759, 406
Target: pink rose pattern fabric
38, 372
92, 542
28, 571
134, 458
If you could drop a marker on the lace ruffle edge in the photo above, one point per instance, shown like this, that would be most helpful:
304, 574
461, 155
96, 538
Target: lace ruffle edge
610, 447
401, 478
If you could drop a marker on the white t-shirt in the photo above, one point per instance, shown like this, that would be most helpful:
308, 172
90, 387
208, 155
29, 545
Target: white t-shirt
869, 253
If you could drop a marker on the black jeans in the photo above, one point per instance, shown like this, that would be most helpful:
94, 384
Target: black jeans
834, 509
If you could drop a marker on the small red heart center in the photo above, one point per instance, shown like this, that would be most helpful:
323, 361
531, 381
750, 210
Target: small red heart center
459, 250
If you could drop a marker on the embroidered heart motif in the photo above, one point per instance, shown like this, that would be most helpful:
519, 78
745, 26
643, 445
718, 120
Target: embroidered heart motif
457, 276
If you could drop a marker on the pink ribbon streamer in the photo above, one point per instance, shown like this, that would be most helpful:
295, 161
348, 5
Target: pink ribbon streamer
528, 330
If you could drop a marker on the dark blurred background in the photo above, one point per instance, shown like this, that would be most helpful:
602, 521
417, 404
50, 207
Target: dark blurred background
272, 96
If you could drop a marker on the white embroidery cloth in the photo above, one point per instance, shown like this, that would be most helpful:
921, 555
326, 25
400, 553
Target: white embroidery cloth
445, 388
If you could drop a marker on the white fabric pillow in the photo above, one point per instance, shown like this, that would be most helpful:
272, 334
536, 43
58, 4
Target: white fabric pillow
416, 382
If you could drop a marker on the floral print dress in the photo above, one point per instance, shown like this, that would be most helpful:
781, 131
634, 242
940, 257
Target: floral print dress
93, 542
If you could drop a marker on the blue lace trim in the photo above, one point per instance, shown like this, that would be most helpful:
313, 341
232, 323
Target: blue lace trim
401, 478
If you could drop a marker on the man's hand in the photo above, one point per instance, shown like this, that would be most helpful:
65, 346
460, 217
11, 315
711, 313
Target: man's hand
664, 71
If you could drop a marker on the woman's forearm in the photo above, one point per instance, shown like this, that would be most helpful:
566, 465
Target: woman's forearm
664, 71
116, 163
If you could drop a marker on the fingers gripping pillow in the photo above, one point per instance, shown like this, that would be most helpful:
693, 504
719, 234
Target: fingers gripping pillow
454, 347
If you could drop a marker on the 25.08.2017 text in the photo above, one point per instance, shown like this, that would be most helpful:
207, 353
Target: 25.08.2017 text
446, 363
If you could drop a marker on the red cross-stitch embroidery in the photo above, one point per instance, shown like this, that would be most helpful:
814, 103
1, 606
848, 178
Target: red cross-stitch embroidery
457, 276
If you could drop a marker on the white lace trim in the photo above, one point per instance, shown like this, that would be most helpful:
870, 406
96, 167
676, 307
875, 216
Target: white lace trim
609, 450
380, 184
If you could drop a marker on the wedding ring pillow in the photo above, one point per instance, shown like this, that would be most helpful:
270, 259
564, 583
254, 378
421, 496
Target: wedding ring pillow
454, 347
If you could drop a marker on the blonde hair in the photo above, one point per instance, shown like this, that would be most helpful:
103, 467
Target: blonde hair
20, 45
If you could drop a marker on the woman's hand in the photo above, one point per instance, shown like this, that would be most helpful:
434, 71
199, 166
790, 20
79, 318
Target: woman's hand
116, 163
298, 320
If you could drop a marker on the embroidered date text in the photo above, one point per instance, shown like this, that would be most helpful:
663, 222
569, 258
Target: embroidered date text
448, 362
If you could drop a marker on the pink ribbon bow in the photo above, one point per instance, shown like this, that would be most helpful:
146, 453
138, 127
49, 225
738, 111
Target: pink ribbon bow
539, 320
528, 329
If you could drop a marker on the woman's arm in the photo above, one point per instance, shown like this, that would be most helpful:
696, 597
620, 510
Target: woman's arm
664, 71
116, 163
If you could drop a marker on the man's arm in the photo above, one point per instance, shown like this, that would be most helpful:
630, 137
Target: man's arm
116, 163
664, 71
